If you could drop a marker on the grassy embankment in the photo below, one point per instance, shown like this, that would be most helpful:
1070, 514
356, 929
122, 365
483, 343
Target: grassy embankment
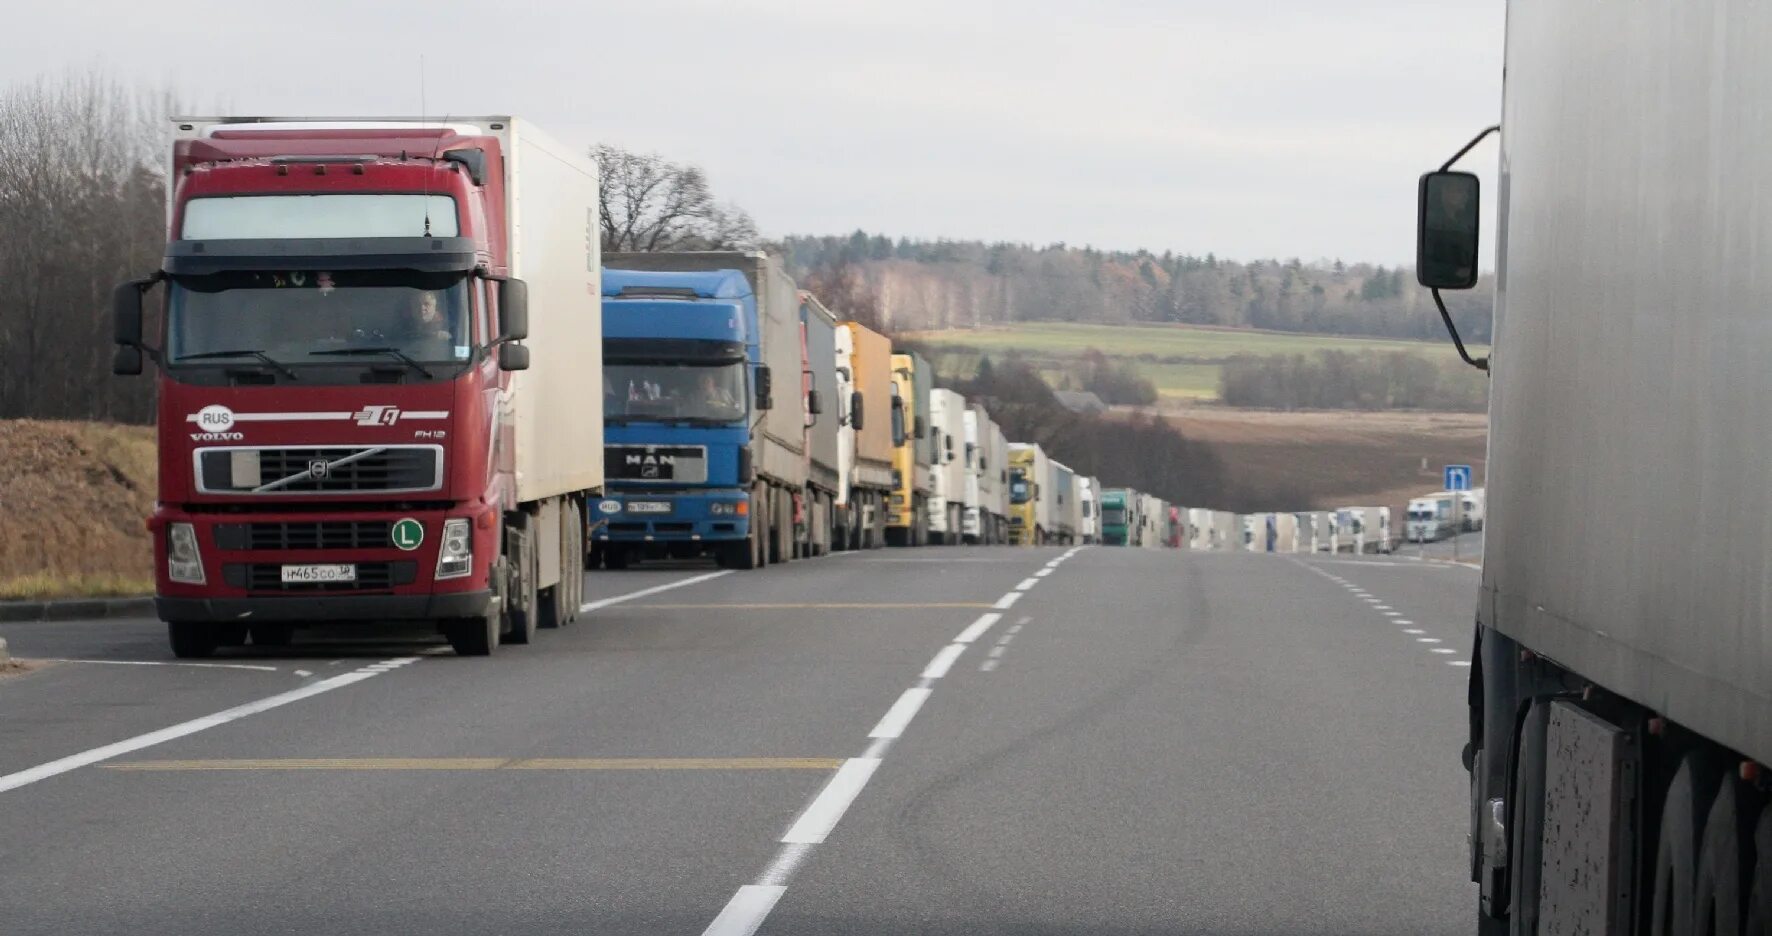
73, 498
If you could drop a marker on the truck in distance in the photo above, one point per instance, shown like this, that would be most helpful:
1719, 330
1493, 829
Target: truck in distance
349, 428
947, 496
907, 515
866, 443
1030, 495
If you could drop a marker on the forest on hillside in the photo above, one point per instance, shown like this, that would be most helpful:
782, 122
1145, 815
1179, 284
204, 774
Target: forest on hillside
918, 285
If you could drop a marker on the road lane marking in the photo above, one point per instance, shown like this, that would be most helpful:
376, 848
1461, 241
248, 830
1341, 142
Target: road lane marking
943, 661
1402, 621
1427, 640
841, 790
1027, 583
977, 628
1458, 662
1393, 614
630, 596
1042, 573
240, 666
988, 666
13, 781
1414, 631
998, 650
1444, 650
483, 763
806, 606
1007, 601
746, 910
899, 716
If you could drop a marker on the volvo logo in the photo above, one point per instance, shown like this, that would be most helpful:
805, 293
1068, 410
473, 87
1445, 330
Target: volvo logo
317, 468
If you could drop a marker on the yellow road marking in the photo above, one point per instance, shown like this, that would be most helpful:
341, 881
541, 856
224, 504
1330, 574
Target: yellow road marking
798, 606
488, 763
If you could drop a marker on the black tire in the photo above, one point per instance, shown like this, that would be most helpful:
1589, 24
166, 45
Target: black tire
1759, 897
191, 639
1722, 856
524, 601
475, 636
1675, 880
1525, 823
272, 634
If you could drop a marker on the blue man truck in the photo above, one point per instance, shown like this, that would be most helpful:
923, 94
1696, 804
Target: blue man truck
704, 415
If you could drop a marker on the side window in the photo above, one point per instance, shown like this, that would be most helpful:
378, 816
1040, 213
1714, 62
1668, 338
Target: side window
482, 314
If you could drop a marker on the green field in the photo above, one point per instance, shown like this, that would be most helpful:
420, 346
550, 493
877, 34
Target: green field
1183, 361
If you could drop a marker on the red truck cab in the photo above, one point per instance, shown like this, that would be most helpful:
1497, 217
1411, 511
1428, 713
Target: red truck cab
333, 365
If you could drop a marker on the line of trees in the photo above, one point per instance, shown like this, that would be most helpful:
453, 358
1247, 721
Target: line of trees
965, 284
1343, 380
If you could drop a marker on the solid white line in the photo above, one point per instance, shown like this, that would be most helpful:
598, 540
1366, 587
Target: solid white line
899, 716
262, 669
618, 599
878, 747
1027, 583
787, 861
1007, 601
13, 781
746, 910
821, 816
943, 661
977, 628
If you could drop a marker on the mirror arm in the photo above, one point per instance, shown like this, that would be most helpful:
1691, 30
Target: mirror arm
1481, 363
1470, 146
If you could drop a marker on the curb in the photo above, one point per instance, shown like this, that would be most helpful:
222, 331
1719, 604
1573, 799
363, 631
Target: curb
74, 609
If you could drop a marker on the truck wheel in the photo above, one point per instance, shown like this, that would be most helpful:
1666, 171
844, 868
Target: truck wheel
191, 639
230, 635
1759, 898
272, 635
1721, 859
474, 636
524, 602
1672, 902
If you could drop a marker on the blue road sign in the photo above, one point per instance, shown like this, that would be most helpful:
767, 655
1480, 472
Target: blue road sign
1458, 477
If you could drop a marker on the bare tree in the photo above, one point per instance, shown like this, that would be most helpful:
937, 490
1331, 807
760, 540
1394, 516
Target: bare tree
82, 193
650, 203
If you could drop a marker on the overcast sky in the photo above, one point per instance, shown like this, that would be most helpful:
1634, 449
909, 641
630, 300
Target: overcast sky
1274, 129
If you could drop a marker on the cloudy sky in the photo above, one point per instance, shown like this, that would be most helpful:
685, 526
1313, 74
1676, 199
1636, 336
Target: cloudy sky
1274, 129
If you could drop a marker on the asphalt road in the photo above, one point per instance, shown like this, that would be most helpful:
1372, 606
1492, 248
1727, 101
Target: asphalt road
1139, 742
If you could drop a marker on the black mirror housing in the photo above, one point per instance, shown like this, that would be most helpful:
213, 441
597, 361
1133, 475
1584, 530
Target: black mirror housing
126, 314
513, 357
513, 309
127, 361
855, 411
1446, 230
814, 402
765, 384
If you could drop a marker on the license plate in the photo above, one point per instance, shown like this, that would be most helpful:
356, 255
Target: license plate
293, 574
649, 506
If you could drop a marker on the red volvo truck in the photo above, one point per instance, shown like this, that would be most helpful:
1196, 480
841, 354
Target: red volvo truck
349, 428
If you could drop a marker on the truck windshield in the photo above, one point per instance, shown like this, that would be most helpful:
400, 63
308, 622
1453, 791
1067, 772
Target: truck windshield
1018, 486
710, 393
1113, 515
291, 315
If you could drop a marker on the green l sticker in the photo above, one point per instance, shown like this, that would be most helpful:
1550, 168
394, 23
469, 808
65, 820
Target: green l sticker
408, 534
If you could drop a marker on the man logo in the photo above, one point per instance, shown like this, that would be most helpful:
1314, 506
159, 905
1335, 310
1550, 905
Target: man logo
648, 471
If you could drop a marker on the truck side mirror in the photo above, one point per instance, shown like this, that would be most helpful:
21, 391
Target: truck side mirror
918, 429
1446, 228
897, 422
765, 383
126, 328
513, 357
513, 310
855, 410
814, 402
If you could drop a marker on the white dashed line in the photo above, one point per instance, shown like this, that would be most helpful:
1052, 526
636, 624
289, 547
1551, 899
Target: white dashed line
1415, 631
1427, 640
1458, 662
1444, 650
1027, 583
1007, 601
1042, 573
746, 910
988, 666
821, 816
899, 716
943, 661
977, 628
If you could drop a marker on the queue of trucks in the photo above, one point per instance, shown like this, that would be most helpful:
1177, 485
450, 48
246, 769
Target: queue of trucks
378, 361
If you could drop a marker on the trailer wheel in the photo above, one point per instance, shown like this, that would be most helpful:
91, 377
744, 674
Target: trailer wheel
1721, 859
191, 639
1759, 898
272, 635
1675, 883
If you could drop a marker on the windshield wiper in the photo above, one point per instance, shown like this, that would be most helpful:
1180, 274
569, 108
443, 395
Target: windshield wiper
390, 352
271, 362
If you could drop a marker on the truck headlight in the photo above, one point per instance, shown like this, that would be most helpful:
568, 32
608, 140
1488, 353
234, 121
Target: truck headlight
456, 556
184, 564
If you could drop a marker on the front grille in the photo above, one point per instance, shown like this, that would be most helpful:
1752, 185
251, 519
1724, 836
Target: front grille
684, 463
673, 527
323, 534
268, 577
320, 470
